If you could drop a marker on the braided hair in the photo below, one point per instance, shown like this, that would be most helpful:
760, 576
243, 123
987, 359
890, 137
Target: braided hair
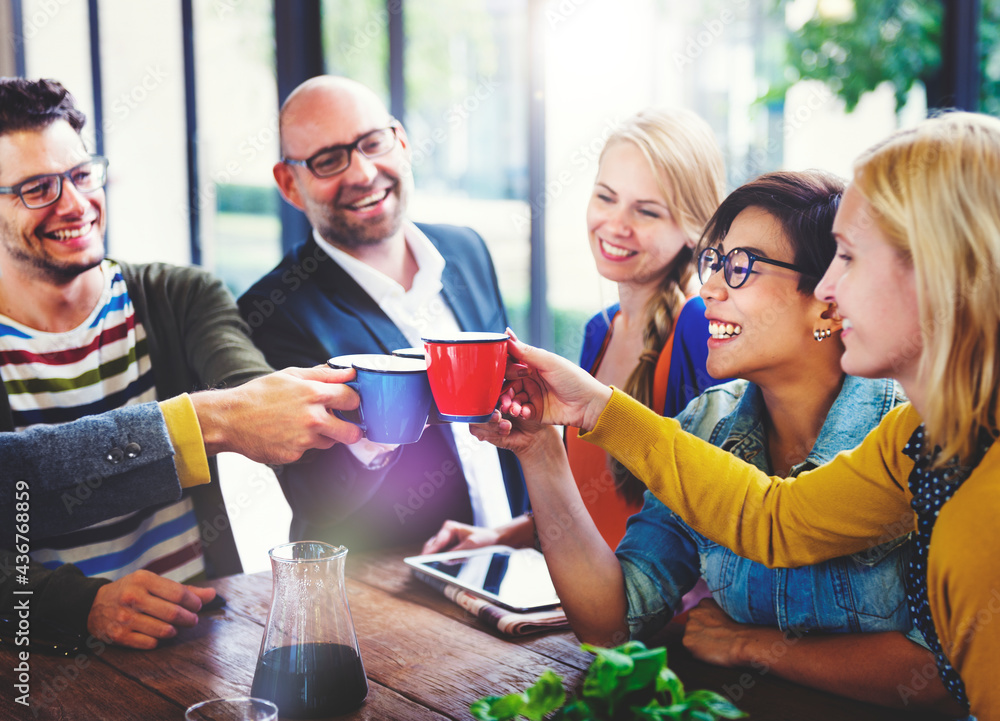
686, 161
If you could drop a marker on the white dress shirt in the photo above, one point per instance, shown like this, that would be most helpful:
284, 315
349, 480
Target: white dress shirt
417, 312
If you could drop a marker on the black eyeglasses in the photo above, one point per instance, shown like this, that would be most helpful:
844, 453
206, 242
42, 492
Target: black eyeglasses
39, 191
736, 265
337, 158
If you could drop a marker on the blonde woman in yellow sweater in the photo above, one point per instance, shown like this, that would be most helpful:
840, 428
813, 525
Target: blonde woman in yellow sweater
915, 282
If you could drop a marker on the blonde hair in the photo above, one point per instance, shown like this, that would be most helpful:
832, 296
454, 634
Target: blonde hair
686, 161
935, 193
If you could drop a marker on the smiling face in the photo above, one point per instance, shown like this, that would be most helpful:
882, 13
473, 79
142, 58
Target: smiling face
364, 204
62, 240
875, 291
633, 237
764, 327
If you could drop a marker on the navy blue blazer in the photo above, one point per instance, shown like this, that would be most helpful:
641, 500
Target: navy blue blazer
308, 309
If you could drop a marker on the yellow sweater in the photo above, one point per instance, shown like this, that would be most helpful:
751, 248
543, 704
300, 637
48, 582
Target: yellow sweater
859, 499
185, 435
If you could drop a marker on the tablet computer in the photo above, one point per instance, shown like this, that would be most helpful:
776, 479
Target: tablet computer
517, 579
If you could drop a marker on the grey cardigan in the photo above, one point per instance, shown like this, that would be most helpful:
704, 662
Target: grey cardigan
197, 341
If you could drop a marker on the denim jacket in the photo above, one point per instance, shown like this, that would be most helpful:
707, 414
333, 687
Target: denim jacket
662, 557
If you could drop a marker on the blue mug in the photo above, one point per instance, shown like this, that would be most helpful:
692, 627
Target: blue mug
410, 353
435, 417
395, 398
346, 362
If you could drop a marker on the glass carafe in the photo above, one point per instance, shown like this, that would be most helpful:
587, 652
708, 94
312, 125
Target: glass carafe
309, 662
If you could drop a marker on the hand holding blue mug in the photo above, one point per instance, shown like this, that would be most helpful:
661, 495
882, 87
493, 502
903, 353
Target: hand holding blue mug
395, 397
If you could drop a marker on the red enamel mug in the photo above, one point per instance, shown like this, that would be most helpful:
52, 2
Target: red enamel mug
466, 372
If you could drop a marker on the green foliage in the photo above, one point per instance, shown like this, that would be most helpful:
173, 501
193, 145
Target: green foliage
252, 199
989, 58
884, 41
627, 683
881, 41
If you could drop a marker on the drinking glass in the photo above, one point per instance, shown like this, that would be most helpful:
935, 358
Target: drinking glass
243, 708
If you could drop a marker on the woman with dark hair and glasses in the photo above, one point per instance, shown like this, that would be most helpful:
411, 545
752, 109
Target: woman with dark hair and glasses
842, 625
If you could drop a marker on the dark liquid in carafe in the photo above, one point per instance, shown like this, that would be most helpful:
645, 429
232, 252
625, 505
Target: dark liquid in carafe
311, 680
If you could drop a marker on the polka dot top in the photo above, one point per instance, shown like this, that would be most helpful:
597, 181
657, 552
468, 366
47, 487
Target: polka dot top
931, 489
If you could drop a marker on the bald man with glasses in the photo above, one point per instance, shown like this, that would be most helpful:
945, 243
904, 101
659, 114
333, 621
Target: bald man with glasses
367, 280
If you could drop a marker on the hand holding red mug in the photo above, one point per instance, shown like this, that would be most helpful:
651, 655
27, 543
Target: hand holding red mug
551, 389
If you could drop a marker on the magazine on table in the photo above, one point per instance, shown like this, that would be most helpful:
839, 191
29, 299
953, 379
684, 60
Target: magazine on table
508, 589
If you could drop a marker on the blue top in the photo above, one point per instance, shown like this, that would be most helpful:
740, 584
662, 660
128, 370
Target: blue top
687, 377
662, 557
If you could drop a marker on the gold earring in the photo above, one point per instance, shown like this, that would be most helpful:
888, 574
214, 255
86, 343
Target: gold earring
821, 334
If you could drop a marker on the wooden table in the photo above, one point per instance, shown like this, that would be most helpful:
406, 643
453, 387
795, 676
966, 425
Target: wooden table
425, 659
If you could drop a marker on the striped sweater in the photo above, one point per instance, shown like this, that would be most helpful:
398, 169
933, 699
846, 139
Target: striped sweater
102, 364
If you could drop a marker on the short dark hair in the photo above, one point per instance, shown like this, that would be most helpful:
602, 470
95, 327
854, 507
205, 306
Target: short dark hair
803, 202
35, 104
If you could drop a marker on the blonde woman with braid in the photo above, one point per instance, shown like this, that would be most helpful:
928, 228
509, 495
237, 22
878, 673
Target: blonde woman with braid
660, 178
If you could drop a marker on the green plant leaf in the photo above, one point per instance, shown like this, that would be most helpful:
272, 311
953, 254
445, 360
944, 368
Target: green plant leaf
657, 712
545, 696
489, 708
632, 648
627, 682
602, 677
698, 715
576, 710
714, 703
614, 658
647, 666
880, 41
668, 682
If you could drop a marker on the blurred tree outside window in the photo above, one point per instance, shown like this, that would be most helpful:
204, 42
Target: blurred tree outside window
466, 78
237, 139
466, 114
356, 41
853, 46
